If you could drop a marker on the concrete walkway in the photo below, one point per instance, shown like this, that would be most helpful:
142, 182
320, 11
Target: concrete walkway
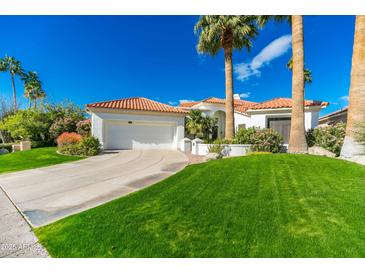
16, 236
47, 194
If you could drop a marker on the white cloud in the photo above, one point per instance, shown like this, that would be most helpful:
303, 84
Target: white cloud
344, 98
272, 51
173, 103
245, 95
185, 101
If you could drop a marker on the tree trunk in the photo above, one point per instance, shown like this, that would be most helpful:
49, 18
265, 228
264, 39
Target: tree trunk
14, 92
356, 110
297, 141
229, 131
35, 103
29, 103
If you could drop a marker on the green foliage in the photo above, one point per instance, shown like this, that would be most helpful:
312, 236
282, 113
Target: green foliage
84, 127
265, 139
308, 79
329, 137
218, 147
244, 135
41, 127
88, 146
219, 31
199, 125
65, 124
27, 125
7, 146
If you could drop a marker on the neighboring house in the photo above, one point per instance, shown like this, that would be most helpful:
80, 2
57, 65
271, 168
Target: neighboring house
140, 123
333, 118
274, 113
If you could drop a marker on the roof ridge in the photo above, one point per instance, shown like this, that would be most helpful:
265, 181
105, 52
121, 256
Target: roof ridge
108, 101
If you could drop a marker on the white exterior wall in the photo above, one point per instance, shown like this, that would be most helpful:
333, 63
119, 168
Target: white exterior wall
259, 119
99, 120
241, 119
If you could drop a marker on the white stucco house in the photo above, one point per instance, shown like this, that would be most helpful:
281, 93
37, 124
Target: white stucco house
140, 123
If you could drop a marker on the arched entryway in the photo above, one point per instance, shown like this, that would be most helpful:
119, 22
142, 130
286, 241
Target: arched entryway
221, 123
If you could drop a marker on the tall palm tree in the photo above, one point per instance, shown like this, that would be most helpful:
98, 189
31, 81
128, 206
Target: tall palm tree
31, 83
307, 73
14, 67
297, 141
356, 110
228, 33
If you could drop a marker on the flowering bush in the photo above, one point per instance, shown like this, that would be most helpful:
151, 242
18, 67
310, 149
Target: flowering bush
66, 124
244, 136
68, 138
74, 144
329, 137
84, 127
265, 139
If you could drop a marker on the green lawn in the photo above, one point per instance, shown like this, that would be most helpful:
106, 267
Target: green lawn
37, 157
255, 206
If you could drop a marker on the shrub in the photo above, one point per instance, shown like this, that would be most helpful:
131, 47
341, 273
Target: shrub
65, 124
68, 138
78, 145
329, 137
84, 127
217, 148
244, 136
89, 146
267, 140
27, 125
7, 146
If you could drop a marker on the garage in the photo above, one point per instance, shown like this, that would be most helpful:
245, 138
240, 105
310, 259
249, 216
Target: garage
140, 135
137, 123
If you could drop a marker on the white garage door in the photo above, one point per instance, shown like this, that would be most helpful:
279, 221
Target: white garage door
139, 136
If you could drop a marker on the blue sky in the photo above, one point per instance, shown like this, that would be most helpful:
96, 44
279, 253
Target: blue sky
95, 58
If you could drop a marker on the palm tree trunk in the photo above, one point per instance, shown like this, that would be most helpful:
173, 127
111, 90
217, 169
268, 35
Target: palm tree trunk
35, 103
29, 104
229, 131
297, 141
356, 110
14, 92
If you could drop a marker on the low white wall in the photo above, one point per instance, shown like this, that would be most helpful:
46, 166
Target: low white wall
229, 150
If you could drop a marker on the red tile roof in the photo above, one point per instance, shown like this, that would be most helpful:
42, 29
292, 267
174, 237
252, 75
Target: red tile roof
137, 103
286, 103
239, 105
188, 104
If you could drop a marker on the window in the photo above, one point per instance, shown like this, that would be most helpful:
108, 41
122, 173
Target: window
241, 126
281, 125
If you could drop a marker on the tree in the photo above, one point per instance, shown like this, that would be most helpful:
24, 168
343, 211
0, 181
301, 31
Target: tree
193, 122
14, 67
199, 125
356, 111
32, 88
307, 73
227, 32
297, 140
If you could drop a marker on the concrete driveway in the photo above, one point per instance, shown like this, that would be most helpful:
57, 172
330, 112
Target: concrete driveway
47, 194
